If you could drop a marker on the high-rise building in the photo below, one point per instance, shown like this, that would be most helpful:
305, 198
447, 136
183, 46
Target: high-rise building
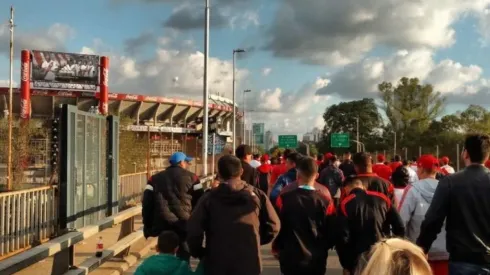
317, 134
269, 143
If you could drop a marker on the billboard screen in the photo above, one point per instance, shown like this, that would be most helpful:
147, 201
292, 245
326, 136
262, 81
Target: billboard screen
55, 70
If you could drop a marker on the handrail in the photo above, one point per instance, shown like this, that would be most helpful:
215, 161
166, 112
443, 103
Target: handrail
36, 254
36, 189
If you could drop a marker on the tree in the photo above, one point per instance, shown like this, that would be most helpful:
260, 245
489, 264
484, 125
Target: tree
342, 118
410, 108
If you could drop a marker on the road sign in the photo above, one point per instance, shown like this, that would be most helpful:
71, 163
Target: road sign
340, 140
288, 141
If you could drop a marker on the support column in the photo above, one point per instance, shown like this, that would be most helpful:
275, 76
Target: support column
25, 85
104, 86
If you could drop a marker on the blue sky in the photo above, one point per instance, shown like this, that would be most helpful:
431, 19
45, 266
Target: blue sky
300, 50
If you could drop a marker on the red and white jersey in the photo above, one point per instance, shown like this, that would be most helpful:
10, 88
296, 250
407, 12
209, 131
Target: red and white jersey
446, 169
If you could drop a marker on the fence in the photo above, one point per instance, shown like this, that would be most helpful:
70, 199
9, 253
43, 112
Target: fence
26, 217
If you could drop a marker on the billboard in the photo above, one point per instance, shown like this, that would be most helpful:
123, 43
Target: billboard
55, 70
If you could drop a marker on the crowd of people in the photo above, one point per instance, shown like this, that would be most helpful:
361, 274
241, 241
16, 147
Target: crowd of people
400, 217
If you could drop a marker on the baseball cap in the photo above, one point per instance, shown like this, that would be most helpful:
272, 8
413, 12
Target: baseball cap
445, 160
487, 164
179, 157
428, 162
380, 157
328, 156
264, 158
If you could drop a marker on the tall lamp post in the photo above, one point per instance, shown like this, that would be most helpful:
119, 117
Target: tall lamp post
235, 51
205, 93
11, 81
244, 140
357, 135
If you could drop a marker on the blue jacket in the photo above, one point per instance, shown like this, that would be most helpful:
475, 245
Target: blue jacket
282, 181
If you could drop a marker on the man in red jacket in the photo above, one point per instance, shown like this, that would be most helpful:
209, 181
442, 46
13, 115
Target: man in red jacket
381, 169
280, 168
396, 163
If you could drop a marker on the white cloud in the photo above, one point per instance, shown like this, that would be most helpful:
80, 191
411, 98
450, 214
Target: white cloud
341, 32
266, 71
169, 72
361, 79
51, 38
6, 83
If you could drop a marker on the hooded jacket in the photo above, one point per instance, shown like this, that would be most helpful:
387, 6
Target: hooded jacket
413, 205
164, 264
236, 219
249, 174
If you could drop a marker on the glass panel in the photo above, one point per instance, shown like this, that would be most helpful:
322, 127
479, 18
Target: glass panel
92, 169
79, 168
103, 169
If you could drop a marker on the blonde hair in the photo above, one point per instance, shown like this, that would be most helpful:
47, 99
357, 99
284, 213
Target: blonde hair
394, 257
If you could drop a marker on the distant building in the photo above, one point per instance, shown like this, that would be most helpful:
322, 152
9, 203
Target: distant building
317, 134
269, 142
308, 137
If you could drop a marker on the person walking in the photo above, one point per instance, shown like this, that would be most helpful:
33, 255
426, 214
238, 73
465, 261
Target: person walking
381, 169
332, 177
362, 221
307, 225
347, 165
413, 207
287, 178
249, 175
168, 200
462, 200
236, 219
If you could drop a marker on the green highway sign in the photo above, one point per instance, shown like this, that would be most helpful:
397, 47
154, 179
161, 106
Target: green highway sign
288, 141
340, 140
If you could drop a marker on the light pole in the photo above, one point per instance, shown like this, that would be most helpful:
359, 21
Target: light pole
11, 81
205, 92
357, 135
235, 51
244, 117
394, 146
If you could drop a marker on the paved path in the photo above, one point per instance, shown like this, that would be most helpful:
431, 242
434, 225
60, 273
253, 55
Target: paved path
271, 265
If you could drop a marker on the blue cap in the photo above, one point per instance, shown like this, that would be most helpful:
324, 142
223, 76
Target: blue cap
179, 157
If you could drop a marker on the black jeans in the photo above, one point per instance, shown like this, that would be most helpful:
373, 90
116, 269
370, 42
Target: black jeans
460, 268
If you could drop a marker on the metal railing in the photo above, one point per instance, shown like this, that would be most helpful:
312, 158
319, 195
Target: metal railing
131, 187
26, 217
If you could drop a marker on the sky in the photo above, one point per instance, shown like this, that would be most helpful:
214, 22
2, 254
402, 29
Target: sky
301, 56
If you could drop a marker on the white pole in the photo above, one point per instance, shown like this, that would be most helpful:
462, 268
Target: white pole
206, 93
420, 151
11, 82
437, 151
234, 106
357, 133
457, 157
244, 120
394, 146
214, 154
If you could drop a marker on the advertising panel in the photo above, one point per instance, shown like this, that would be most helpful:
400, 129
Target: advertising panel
55, 70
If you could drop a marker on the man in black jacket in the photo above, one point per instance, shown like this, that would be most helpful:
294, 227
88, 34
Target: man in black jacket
347, 166
168, 199
463, 201
236, 219
250, 175
362, 221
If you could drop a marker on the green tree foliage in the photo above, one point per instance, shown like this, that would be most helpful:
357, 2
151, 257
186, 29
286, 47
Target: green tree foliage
410, 107
342, 118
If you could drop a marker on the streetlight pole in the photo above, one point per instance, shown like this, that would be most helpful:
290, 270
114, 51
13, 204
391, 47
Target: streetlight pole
394, 146
235, 51
244, 117
205, 93
357, 135
11, 83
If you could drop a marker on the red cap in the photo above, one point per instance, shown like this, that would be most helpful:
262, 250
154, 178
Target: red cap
487, 164
428, 162
380, 157
264, 158
328, 156
445, 160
